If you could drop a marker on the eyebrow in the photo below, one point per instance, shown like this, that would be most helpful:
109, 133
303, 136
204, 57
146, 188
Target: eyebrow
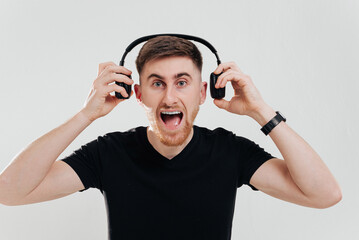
155, 76
178, 75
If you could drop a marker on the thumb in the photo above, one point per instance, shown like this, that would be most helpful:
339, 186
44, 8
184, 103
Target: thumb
117, 100
221, 103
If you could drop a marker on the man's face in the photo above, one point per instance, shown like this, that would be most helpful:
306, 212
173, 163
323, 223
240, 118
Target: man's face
171, 91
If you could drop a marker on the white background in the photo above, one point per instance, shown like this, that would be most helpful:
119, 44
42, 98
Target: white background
302, 55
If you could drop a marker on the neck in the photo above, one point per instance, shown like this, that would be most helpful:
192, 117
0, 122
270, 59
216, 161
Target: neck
167, 151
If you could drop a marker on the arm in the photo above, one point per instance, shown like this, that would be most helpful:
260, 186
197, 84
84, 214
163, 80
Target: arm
31, 166
34, 175
302, 177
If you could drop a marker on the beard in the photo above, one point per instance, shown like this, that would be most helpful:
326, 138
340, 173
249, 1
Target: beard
176, 137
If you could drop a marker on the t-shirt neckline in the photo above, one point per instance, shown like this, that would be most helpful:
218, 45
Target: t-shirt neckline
180, 155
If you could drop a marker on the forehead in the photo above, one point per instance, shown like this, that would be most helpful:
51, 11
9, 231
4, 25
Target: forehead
171, 64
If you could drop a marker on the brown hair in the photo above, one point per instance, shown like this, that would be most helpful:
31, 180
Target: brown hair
167, 46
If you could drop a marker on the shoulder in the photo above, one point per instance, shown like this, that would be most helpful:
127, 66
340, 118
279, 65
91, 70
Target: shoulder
218, 132
133, 132
223, 135
114, 141
119, 137
218, 136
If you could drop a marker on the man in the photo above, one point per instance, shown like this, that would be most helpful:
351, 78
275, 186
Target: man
170, 180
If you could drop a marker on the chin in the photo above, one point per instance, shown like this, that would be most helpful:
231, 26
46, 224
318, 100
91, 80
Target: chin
177, 137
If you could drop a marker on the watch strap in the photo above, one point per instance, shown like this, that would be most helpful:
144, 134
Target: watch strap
266, 129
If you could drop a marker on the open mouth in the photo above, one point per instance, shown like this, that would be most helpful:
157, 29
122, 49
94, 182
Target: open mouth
172, 119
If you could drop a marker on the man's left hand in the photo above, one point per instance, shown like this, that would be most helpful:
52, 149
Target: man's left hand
247, 99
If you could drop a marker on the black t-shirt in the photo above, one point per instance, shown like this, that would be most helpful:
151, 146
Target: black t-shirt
191, 196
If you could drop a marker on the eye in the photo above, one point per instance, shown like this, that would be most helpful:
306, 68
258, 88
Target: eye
158, 84
182, 83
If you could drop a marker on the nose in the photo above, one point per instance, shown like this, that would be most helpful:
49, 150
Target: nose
170, 96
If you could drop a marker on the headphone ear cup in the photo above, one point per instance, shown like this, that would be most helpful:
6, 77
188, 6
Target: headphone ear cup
126, 87
216, 93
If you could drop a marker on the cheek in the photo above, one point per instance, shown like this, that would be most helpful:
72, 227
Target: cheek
150, 103
192, 105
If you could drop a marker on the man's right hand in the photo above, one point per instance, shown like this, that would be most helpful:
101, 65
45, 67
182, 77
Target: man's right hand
100, 102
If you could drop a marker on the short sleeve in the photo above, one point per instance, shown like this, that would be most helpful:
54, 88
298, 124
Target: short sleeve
86, 162
251, 157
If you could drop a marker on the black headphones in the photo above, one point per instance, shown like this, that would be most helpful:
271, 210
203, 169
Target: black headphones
216, 93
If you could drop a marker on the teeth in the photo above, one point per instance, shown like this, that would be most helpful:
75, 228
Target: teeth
171, 113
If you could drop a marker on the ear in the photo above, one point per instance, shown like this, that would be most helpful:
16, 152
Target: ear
203, 92
138, 93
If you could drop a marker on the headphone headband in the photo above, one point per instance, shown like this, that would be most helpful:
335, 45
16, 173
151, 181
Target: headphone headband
187, 37
215, 93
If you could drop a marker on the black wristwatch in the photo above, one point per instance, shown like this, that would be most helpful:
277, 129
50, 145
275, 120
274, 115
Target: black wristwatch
266, 129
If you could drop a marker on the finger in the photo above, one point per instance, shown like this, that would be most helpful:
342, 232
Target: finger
113, 100
117, 100
223, 67
118, 69
116, 88
123, 78
232, 76
221, 103
102, 66
110, 77
219, 69
224, 78
220, 81
231, 65
118, 78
